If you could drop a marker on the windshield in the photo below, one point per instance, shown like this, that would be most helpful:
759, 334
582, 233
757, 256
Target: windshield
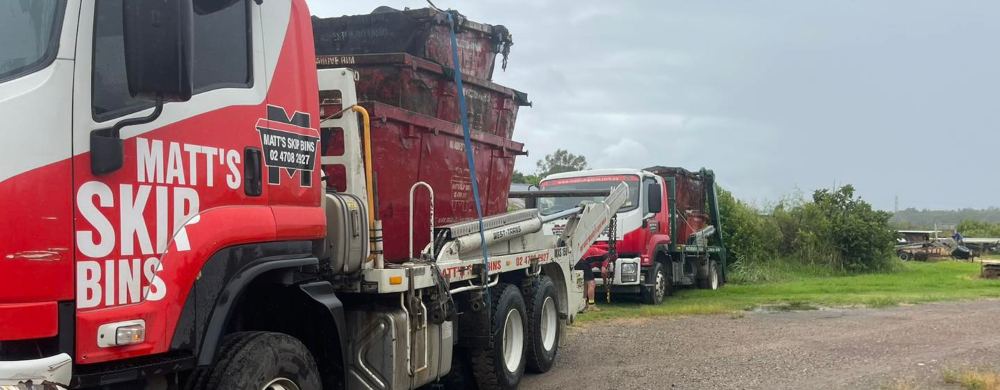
29, 33
549, 206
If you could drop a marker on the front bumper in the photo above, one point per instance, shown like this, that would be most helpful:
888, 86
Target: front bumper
628, 272
54, 372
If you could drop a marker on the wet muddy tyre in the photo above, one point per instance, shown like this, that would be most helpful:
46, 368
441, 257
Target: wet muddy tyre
653, 295
460, 376
543, 324
261, 360
713, 281
501, 367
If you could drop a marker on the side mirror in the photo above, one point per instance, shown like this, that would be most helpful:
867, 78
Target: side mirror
654, 198
159, 49
159, 57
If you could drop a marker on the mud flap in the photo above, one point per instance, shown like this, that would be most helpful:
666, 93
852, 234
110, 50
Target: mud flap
474, 322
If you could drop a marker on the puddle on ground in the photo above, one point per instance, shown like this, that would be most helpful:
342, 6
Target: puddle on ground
784, 307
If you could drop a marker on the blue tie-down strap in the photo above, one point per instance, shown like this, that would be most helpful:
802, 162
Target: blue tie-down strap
468, 153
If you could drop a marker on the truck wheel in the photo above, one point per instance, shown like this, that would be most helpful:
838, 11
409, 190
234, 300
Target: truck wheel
662, 287
543, 324
904, 256
261, 360
460, 376
711, 282
501, 367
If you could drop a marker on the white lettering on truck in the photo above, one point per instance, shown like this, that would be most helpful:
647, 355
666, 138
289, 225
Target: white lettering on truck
163, 184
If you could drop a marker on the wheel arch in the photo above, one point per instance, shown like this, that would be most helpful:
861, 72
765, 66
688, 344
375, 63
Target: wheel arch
661, 257
560, 280
238, 284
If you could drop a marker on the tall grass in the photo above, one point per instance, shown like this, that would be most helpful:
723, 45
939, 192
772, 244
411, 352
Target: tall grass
973, 379
779, 270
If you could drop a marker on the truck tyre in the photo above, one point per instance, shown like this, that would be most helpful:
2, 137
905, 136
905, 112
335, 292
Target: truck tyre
260, 360
904, 256
653, 295
712, 281
501, 367
543, 324
460, 376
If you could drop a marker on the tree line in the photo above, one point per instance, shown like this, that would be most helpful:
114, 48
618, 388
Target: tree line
912, 218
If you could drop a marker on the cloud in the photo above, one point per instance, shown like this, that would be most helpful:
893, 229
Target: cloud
625, 153
774, 96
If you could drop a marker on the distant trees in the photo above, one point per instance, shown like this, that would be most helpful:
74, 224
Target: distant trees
912, 218
521, 178
970, 228
560, 161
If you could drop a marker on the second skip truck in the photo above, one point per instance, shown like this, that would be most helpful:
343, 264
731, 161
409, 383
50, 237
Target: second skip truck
667, 234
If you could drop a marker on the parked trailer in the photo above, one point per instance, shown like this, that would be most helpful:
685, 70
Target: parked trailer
668, 234
173, 227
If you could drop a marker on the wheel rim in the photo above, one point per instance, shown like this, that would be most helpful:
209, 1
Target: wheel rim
661, 284
549, 324
513, 340
281, 384
714, 278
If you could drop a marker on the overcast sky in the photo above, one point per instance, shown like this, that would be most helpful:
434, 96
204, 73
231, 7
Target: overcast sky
895, 97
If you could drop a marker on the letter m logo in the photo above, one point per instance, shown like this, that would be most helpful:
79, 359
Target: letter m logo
289, 145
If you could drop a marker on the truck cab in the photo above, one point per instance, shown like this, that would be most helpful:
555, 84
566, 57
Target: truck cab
95, 238
661, 235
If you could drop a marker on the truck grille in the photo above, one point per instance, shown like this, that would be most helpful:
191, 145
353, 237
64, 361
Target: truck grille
28, 349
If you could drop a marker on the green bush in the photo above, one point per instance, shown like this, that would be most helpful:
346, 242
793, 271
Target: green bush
860, 235
834, 230
750, 236
971, 228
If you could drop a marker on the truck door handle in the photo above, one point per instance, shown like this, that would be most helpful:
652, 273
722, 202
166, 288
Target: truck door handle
253, 182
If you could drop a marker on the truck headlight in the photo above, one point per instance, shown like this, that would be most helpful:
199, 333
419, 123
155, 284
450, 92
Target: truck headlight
630, 272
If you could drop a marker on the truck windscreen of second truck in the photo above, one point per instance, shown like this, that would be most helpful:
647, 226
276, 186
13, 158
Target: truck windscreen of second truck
549, 206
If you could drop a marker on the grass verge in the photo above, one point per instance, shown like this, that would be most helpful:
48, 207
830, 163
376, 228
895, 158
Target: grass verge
914, 283
973, 379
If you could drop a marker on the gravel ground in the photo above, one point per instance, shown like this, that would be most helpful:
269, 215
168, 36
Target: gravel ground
823, 349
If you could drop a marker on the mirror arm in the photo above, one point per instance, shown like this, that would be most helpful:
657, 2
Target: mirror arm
107, 151
157, 110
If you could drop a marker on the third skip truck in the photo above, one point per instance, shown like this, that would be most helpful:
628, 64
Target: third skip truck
668, 233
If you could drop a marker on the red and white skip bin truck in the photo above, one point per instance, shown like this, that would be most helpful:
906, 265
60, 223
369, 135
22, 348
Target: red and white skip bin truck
188, 203
667, 234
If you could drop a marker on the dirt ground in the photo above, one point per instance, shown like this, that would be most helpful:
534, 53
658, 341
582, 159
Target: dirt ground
823, 349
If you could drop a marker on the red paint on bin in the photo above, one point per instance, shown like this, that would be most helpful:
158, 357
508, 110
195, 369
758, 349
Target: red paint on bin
417, 136
423, 32
429, 89
409, 147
